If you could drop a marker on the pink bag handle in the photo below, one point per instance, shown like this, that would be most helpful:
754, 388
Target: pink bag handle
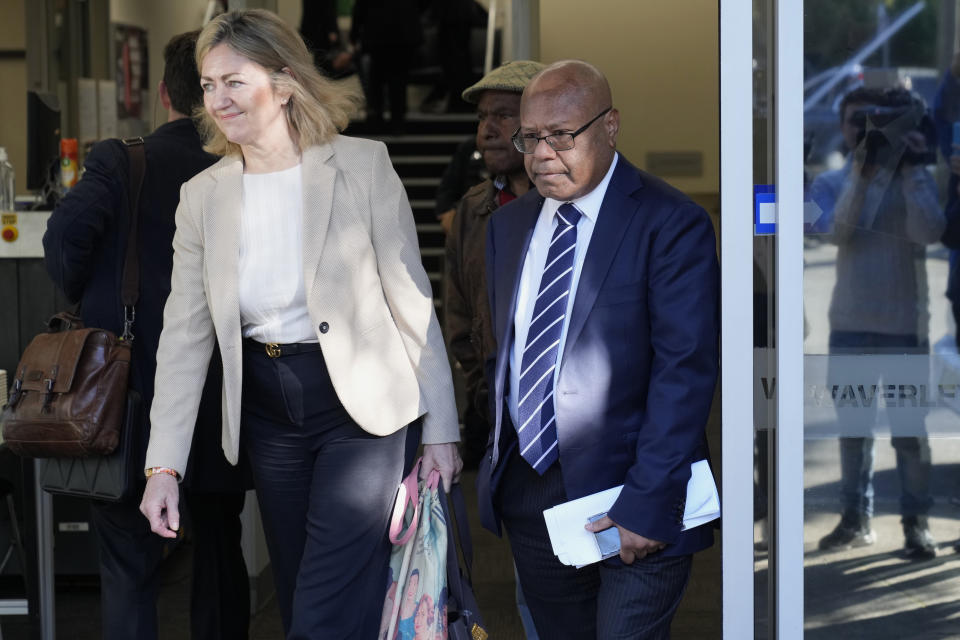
407, 494
433, 480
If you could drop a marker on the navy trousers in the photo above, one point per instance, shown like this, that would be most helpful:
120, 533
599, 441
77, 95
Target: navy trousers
326, 490
130, 559
604, 600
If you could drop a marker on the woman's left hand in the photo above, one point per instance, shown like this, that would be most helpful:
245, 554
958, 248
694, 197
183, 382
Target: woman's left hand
445, 458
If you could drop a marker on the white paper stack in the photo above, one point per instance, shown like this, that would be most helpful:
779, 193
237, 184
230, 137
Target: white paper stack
573, 545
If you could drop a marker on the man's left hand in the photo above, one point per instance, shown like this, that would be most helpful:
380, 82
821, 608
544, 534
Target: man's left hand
633, 546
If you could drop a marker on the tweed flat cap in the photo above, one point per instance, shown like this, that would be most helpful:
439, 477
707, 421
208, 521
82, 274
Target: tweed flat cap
510, 76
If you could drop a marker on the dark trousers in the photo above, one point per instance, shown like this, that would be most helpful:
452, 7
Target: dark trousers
955, 308
130, 559
220, 587
389, 67
453, 49
326, 490
604, 600
857, 453
476, 434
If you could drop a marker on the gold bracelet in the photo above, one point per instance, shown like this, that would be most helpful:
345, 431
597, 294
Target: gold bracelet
167, 470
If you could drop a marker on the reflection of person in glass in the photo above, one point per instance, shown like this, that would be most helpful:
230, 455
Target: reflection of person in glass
946, 116
881, 210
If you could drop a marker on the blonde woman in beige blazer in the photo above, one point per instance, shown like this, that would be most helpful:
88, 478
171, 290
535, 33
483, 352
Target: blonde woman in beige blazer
297, 255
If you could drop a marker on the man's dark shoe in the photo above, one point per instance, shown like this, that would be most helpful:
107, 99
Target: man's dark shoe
918, 543
849, 533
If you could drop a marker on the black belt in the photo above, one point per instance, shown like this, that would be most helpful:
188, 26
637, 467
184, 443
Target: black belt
276, 350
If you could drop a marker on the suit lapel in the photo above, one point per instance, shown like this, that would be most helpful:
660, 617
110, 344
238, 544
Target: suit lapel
616, 211
514, 230
319, 179
222, 225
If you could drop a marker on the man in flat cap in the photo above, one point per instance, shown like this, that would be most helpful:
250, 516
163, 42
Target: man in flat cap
466, 310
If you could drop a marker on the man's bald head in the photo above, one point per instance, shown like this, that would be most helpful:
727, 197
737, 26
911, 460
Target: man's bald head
573, 80
562, 98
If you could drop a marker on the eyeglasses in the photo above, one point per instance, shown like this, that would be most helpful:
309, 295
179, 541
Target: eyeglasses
558, 141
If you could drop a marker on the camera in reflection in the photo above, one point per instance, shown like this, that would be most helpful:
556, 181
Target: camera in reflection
884, 128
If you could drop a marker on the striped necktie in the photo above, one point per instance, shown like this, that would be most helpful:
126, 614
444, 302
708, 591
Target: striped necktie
537, 431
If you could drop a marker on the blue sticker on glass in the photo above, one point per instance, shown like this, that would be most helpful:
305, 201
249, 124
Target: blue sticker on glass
764, 209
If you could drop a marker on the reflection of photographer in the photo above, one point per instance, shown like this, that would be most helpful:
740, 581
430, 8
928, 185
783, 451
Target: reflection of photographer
883, 189
881, 210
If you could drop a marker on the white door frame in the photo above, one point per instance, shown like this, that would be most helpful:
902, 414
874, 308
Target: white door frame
736, 248
788, 122
736, 317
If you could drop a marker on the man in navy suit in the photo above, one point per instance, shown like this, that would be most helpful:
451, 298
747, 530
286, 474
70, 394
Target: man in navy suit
603, 290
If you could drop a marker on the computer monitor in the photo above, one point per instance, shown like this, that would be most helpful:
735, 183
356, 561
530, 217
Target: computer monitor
43, 140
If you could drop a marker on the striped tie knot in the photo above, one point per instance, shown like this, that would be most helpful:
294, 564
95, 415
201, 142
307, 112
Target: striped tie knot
568, 215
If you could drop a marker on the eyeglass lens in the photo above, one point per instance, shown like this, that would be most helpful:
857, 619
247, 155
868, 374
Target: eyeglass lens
557, 141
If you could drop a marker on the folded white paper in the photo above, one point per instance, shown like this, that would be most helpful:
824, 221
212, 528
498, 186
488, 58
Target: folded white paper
574, 545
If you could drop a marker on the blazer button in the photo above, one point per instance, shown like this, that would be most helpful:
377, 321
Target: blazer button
324, 327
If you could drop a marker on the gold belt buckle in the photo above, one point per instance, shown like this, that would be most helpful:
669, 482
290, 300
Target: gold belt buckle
273, 349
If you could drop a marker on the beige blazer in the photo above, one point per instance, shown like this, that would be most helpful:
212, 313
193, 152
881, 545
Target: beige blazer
365, 285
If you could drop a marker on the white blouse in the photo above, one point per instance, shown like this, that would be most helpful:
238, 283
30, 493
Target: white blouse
273, 302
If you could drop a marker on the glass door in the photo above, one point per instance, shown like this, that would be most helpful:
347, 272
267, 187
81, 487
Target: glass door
855, 228
880, 402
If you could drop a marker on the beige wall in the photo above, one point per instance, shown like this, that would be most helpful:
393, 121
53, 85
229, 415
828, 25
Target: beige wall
661, 57
13, 80
290, 11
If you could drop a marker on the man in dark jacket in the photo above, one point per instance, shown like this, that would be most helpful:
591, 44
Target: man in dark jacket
84, 249
466, 310
466, 305
946, 112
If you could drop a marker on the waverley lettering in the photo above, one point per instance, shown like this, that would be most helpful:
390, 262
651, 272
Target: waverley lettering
871, 396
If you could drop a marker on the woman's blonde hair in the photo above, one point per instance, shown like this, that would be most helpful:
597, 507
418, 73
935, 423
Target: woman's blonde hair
318, 108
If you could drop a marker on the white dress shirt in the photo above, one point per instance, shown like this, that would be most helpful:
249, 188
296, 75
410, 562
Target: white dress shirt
533, 263
273, 300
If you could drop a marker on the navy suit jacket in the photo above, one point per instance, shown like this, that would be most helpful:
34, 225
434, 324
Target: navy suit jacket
640, 359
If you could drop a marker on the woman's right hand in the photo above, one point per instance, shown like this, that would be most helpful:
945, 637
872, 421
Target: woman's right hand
160, 505
445, 458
